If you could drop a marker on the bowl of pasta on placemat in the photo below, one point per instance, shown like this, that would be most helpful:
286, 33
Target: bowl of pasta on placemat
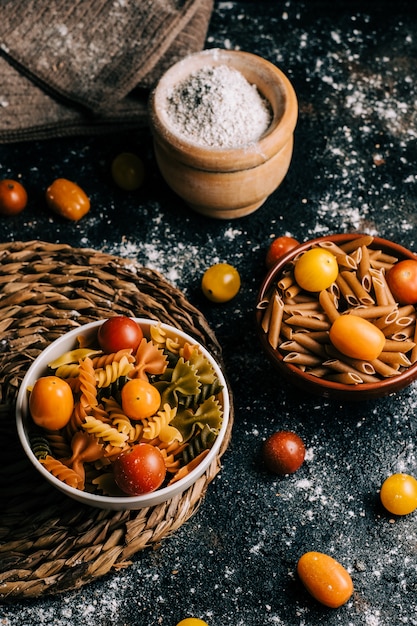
51, 543
330, 320
123, 413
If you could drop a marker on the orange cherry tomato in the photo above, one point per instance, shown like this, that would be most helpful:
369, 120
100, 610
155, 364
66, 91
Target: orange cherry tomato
51, 402
325, 579
402, 281
316, 269
277, 249
399, 494
140, 399
192, 621
357, 337
13, 197
67, 199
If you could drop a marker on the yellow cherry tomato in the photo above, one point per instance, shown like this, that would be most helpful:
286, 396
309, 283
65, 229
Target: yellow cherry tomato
325, 579
220, 282
140, 399
192, 621
399, 494
357, 337
128, 171
67, 199
51, 402
316, 269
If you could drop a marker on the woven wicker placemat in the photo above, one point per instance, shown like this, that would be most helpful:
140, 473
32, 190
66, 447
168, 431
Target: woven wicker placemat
49, 543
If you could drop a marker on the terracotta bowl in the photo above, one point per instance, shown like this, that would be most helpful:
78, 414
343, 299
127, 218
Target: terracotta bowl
25, 426
221, 182
303, 379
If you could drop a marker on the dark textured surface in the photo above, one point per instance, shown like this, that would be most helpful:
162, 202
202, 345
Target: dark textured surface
354, 169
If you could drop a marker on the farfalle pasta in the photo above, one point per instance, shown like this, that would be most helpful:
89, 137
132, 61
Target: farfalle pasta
184, 427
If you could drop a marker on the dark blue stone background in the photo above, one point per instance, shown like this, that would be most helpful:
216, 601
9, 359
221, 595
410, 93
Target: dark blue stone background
353, 66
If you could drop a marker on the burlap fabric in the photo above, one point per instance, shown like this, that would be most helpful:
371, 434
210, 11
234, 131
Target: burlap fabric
88, 65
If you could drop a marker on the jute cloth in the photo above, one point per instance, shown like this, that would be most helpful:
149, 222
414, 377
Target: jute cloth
71, 67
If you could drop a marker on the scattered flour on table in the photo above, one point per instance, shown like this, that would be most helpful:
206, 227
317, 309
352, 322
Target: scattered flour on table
177, 261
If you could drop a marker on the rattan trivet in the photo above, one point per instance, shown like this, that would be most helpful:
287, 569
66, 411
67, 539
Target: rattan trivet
49, 543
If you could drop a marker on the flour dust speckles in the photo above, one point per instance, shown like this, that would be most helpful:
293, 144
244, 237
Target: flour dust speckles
180, 261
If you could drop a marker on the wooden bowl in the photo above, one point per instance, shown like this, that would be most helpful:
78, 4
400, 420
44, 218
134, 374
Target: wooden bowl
311, 383
226, 183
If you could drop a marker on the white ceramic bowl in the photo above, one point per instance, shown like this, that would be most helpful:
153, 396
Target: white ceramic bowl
23, 421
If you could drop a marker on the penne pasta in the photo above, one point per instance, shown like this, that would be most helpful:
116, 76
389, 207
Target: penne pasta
294, 346
381, 287
397, 325
364, 267
364, 367
285, 282
347, 378
346, 291
386, 320
359, 291
266, 317
373, 312
308, 322
292, 291
360, 242
384, 369
399, 346
275, 321
298, 322
308, 306
340, 366
302, 359
382, 257
395, 358
309, 343
328, 306
413, 356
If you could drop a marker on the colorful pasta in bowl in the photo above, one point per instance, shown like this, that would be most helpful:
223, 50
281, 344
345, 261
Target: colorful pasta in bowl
328, 320
123, 413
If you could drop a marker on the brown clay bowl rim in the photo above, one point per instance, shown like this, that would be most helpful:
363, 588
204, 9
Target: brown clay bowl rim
275, 137
311, 383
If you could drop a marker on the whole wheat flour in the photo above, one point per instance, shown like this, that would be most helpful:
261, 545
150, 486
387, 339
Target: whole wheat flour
218, 107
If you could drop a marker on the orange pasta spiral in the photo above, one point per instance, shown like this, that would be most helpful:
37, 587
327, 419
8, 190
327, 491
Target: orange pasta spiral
62, 472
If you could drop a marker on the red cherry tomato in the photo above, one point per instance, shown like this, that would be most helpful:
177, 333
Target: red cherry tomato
13, 197
139, 470
67, 199
277, 249
357, 337
140, 399
283, 452
119, 333
402, 281
51, 402
325, 579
